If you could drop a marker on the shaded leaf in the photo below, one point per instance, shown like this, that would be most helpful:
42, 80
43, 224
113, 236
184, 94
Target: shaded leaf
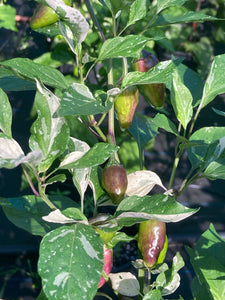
187, 17
5, 114
26, 212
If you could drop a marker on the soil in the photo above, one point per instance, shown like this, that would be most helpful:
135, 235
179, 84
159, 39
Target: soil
19, 249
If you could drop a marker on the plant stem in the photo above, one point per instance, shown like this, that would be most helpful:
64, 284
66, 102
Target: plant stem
194, 120
30, 182
141, 280
175, 164
95, 125
100, 294
94, 19
44, 197
111, 132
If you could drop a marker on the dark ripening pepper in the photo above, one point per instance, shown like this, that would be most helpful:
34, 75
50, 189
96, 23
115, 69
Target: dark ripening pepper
155, 92
44, 16
125, 105
108, 259
114, 181
152, 242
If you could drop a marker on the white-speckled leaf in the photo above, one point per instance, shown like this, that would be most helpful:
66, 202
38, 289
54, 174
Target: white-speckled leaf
181, 100
10, 152
57, 217
127, 46
215, 83
80, 176
72, 17
161, 207
125, 283
163, 4
71, 262
78, 100
49, 132
140, 183
68, 36
5, 114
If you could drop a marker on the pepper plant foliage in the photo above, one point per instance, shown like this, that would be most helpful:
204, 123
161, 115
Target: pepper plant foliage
72, 249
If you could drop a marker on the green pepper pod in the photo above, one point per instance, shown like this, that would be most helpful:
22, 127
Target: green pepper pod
44, 16
152, 242
125, 105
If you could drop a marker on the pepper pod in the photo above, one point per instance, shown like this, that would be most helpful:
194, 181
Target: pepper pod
44, 16
154, 93
114, 181
125, 105
108, 262
152, 242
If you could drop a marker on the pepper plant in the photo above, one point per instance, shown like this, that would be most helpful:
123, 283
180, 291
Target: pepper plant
109, 38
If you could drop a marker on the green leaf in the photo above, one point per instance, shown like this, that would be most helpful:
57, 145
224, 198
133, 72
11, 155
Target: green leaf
161, 121
192, 81
78, 100
8, 17
68, 36
187, 17
127, 46
153, 295
56, 178
120, 237
215, 83
97, 155
143, 129
71, 262
208, 261
163, 4
219, 112
161, 207
26, 212
208, 148
161, 73
72, 17
137, 11
95, 179
181, 100
169, 281
27, 69
74, 213
41, 296
50, 132
5, 114
216, 169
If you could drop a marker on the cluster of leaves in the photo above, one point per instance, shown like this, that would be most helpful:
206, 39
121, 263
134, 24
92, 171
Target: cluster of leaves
71, 252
